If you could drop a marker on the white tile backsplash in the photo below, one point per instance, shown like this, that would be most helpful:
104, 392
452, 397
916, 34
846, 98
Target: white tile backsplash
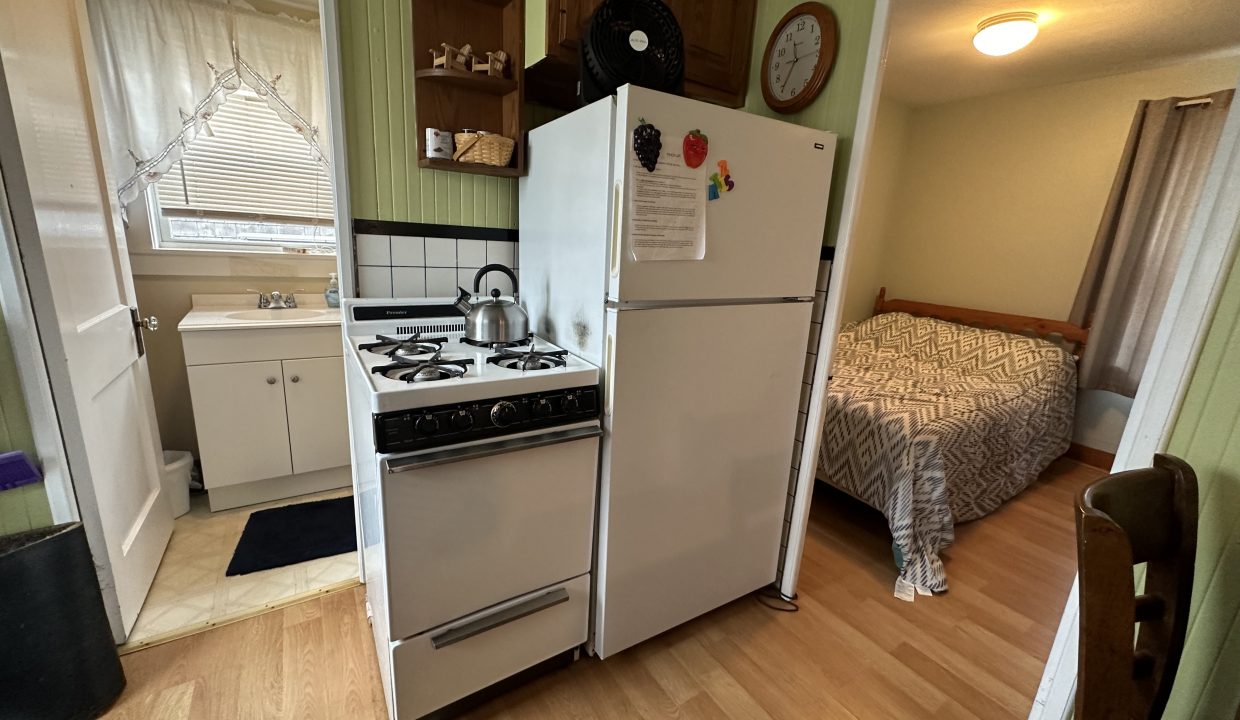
408, 282
374, 282
501, 252
440, 282
408, 251
374, 249
407, 266
465, 278
471, 253
441, 252
501, 281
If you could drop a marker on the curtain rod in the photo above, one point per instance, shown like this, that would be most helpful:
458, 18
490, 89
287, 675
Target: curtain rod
1195, 101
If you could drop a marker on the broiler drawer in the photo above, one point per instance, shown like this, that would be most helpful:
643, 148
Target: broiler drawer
455, 660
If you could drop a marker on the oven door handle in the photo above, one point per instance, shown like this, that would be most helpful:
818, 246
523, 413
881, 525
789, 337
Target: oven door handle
475, 452
549, 599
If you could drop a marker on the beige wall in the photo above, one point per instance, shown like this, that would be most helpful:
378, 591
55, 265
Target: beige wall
168, 298
999, 197
866, 266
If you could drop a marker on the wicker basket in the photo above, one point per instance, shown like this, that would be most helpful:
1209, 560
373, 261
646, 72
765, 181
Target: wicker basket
485, 149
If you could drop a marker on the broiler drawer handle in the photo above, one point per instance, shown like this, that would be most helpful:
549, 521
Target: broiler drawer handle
548, 599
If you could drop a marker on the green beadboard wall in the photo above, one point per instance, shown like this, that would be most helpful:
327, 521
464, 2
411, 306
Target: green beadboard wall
386, 183
1207, 435
26, 507
836, 109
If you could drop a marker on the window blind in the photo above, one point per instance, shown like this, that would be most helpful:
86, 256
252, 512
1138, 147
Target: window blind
252, 165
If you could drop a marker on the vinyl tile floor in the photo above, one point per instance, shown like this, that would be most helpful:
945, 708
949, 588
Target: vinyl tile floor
190, 587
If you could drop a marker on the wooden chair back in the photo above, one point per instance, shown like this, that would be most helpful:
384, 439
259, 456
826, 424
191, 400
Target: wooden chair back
1140, 516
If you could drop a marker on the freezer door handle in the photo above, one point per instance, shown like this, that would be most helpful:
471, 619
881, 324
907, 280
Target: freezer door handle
499, 447
549, 599
616, 243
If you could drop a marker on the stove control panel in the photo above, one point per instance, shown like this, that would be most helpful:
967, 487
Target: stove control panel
450, 424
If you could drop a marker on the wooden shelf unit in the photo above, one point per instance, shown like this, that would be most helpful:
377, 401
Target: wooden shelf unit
473, 168
453, 100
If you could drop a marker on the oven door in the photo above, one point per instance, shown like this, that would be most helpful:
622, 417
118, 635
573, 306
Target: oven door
473, 525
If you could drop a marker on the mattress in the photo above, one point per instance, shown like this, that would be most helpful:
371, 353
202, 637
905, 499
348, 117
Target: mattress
935, 423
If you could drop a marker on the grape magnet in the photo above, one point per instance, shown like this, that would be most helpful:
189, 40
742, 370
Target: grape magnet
647, 145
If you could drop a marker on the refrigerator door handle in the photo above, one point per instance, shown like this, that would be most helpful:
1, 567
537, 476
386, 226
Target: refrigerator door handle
616, 214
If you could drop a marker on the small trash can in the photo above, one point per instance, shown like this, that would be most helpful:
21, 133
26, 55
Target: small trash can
59, 660
178, 465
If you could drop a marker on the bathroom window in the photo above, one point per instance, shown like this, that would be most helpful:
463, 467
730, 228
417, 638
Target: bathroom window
249, 182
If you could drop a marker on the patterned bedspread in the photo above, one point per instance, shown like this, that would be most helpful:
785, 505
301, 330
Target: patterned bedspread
935, 423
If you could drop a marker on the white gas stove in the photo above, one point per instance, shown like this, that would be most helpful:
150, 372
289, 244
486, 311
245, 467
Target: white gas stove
415, 355
476, 482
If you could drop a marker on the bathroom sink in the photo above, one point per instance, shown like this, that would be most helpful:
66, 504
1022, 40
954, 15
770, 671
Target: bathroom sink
284, 314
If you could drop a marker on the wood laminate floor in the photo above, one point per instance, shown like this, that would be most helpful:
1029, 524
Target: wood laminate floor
853, 651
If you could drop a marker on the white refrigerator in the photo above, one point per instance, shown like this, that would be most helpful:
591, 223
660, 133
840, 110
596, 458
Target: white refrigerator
696, 303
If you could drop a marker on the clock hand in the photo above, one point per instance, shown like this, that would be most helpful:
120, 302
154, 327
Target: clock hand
789, 75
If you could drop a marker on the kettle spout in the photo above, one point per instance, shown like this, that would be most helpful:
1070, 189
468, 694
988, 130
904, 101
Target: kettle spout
462, 302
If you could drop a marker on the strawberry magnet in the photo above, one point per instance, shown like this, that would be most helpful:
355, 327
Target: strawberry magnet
696, 147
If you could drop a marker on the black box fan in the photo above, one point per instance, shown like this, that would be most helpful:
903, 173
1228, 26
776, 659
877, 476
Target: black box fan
631, 41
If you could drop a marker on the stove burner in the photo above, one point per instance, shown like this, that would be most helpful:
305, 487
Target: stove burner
529, 360
417, 370
409, 347
500, 345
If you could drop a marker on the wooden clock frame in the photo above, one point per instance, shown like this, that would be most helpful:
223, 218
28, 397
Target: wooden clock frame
822, 70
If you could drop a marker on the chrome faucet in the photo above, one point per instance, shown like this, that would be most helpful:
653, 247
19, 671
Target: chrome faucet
276, 300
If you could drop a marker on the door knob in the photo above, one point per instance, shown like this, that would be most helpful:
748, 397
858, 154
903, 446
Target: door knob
295, 378
271, 381
151, 323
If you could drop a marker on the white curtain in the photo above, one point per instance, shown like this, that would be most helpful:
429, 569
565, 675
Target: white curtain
169, 64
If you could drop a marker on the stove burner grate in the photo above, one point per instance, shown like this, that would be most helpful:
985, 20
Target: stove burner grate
409, 347
525, 342
417, 370
528, 360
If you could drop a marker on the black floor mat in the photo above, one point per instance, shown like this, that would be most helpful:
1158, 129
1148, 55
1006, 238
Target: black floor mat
294, 533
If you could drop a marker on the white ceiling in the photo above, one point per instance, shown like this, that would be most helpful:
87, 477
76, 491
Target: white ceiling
930, 57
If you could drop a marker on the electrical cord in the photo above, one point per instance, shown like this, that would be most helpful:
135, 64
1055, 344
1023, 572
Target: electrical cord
773, 599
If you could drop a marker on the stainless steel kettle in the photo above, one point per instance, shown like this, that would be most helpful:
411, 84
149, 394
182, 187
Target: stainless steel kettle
495, 320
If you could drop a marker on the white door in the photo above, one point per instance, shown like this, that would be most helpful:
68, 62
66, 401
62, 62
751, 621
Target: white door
763, 239
318, 417
701, 415
73, 252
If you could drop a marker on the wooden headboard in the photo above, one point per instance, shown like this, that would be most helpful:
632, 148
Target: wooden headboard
1057, 331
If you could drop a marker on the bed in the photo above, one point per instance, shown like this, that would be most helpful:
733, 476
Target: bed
937, 415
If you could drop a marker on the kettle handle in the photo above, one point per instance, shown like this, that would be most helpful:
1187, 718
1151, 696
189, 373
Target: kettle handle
495, 267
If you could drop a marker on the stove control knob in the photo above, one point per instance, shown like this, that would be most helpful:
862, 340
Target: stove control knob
427, 425
571, 404
462, 420
503, 413
542, 408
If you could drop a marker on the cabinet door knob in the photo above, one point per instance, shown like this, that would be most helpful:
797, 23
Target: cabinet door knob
271, 381
296, 378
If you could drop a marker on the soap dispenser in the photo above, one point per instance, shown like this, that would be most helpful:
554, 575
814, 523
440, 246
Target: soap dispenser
332, 293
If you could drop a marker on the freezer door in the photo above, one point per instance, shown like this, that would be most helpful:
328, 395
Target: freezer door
701, 411
565, 211
763, 238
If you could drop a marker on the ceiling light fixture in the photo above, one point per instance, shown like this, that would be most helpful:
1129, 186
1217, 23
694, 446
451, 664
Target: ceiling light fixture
1005, 34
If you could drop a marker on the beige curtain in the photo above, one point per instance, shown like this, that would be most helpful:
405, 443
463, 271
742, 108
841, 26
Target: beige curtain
1141, 237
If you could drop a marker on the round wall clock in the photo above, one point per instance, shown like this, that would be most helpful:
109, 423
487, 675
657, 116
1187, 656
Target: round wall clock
799, 57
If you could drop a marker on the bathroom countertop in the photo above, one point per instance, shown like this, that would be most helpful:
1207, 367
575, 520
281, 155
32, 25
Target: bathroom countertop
219, 312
